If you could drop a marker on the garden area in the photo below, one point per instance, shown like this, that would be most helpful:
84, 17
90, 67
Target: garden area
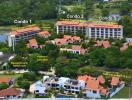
124, 93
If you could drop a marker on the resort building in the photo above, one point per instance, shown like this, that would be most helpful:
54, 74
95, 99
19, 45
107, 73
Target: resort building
25, 34
74, 49
91, 29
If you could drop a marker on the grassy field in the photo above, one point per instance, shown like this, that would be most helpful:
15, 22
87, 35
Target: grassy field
124, 93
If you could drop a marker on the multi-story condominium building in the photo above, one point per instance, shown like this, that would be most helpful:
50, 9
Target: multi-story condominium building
69, 85
52, 82
91, 29
25, 34
74, 86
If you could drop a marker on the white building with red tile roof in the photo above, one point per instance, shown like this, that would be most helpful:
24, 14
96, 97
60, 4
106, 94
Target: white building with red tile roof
75, 49
91, 29
25, 33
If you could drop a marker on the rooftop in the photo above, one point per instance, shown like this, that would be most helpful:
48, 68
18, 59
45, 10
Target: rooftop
115, 81
9, 92
89, 24
43, 33
32, 42
24, 30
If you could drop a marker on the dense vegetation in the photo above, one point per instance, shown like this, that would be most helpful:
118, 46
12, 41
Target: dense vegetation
11, 10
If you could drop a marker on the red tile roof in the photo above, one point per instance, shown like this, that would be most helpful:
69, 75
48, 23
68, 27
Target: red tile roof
30, 29
101, 79
67, 39
89, 24
33, 42
60, 41
76, 47
115, 81
105, 44
5, 79
104, 91
92, 84
83, 78
44, 33
9, 92
76, 38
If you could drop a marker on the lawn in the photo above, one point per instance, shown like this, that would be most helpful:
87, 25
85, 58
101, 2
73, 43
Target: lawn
124, 93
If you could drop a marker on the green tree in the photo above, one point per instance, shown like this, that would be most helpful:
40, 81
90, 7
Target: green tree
20, 48
97, 57
3, 86
23, 84
88, 8
105, 12
126, 22
113, 57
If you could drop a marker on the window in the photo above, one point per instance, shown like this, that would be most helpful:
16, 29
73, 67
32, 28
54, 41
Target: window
72, 87
14, 95
76, 87
92, 29
37, 91
94, 91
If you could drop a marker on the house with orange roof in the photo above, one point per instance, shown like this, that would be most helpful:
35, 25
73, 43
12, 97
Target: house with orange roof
101, 79
66, 40
44, 34
75, 49
91, 29
24, 33
32, 44
105, 44
83, 78
11, 93
93, 88
115, 81
61, 42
